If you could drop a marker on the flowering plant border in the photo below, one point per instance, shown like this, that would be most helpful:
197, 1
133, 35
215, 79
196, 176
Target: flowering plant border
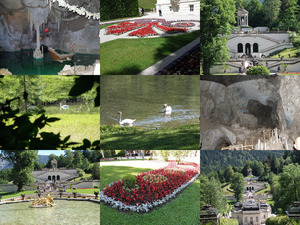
144, 207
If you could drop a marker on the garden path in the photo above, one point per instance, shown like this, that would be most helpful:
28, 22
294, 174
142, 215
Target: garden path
138, 163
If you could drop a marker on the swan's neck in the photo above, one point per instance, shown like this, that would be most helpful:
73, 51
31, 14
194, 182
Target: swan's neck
120, 117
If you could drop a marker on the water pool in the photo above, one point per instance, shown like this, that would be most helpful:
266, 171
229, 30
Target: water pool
65, 212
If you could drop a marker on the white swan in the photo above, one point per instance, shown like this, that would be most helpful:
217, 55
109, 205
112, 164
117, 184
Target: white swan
167, 109
126, 122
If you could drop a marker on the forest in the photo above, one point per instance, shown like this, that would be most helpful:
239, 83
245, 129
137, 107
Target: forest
282, 14
221, 158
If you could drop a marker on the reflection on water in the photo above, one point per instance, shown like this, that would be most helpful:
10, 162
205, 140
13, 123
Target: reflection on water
22, 63
143, 97
65, 212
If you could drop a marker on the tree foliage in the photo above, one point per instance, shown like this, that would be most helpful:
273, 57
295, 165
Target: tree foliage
237, 184
217, 17
23, 165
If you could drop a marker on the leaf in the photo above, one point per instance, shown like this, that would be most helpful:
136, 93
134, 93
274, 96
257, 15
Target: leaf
52, 119
82, 85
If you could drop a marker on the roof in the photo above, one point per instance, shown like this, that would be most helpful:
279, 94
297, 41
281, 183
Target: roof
243, 11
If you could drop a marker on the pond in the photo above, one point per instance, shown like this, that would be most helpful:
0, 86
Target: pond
65, 212
143, 97
22, 63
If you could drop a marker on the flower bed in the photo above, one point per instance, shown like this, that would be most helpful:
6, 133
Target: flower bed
150, 193
144, 27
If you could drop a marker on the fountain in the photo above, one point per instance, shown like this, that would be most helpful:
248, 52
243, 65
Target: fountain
43, 202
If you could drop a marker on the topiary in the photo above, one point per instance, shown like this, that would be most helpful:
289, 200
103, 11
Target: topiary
129, 181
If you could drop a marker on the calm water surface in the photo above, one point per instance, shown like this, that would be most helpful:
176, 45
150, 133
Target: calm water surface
142, 98
22, 63
65, 212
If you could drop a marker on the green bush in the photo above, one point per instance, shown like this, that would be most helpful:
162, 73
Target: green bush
129, 181
296, 42
281, 220
112, 9
22, 189
258, 70
149, 158
96, 186
115, 158
80, 172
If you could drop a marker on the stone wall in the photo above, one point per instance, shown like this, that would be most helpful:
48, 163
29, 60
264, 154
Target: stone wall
12, 188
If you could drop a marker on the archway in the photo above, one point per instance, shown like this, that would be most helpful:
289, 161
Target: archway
240, 48
255, 47
49, 177
53, 177
222, 142
248, 49
58, 177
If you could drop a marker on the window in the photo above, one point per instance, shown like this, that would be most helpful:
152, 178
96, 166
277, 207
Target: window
240, 50
246, 219
257, 219
171, 8
251, 219
255, 47
191, 8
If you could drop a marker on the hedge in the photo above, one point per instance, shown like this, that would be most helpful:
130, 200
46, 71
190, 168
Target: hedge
113, 9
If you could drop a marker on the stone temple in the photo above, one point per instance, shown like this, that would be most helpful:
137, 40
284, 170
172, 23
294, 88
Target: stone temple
249, 45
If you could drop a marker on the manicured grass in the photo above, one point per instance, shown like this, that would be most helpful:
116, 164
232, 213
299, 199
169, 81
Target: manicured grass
79, 126
225, 221
84, 191
131, 56
184, 209
292, 51
87, 175
225, 191
6, 195
183, 137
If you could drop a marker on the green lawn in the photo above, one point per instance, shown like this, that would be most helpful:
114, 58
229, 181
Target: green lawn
184, 209
131, 56
225, 191
183, 137
84, 191
79, 126
6, 195
292, 51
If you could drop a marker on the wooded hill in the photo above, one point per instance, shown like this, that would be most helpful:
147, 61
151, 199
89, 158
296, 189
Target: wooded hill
213, 160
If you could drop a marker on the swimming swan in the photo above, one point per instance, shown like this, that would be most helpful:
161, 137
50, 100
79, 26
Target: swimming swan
126, 122
167, 109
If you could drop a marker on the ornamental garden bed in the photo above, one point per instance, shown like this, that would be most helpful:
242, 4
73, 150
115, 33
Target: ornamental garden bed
145, 191
143, 27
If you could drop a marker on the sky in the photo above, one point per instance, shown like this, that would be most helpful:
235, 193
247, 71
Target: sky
48, 152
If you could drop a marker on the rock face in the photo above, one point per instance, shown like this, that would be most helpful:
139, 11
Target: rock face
65, 28
248, 107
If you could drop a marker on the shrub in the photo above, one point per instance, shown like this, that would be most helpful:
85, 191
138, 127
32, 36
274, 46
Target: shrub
96, 186
61, 190
74, 188
22, 189
129, 181
118, 9
258, 70
115, 158
296, 42
149, 158
0, 190
80, 172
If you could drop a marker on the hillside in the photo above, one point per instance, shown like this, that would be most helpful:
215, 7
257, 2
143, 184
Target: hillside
212, 160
